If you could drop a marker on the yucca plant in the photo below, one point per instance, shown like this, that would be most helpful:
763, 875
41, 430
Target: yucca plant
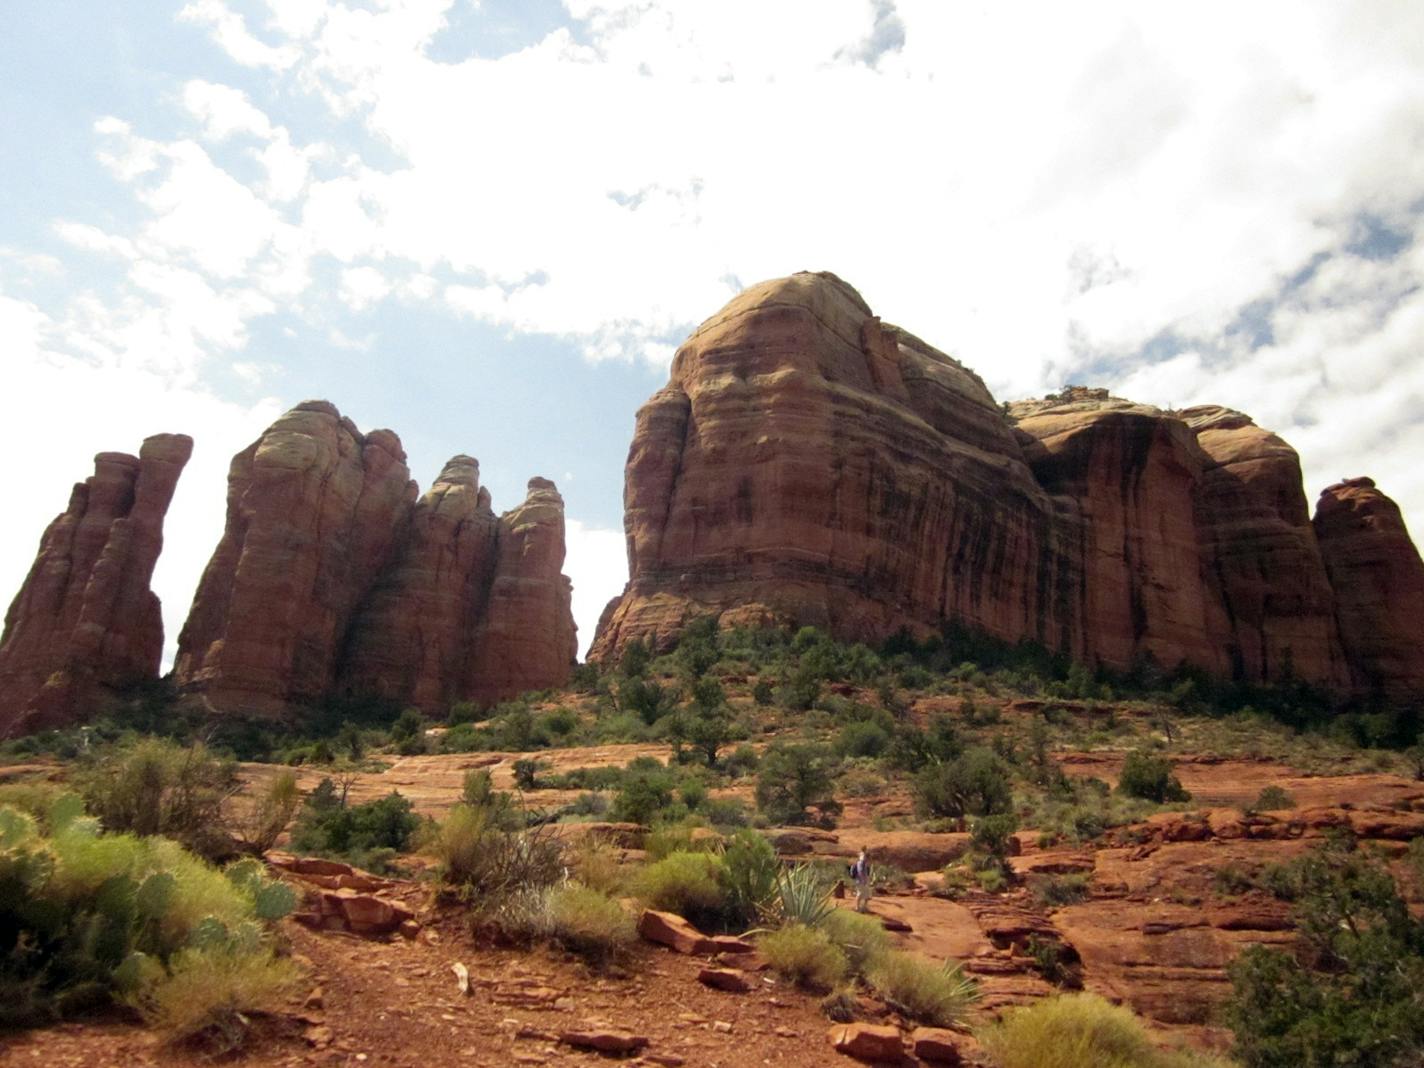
802, 897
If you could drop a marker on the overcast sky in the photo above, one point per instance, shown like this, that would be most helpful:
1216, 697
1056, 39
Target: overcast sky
488, 225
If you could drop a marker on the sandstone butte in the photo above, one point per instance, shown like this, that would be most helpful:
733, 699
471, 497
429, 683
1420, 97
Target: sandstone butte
807, 464
86, 621
333, 577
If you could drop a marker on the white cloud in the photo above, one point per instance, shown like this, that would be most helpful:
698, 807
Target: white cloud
230, 31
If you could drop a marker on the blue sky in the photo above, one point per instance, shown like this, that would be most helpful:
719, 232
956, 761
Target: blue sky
488, 225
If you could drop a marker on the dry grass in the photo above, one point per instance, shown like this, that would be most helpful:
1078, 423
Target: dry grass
804, 955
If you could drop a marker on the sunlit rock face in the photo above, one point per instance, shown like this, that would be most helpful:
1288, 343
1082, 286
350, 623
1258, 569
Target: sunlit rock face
1379, 587
86, 622
807, 464
334, 578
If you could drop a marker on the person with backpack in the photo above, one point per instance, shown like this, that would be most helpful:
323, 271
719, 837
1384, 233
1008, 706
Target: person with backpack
860, 873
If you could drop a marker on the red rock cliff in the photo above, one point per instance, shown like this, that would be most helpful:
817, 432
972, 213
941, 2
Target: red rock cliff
1379, 587
808, 464
85, 619
332, 578
315, 509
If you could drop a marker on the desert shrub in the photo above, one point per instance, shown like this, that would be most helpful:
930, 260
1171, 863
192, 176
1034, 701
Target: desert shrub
647, 790
86, 918
863, 739
763, 693
647, 700
477, 790
793, 778
679, 838
272, 809
937, 996
1079, 1031
367, 835
209, 993
1348, 993
992, 837
804, 955
1150, 778
750, 871
1230, 880
1055, 891
526, 773
976, 783
861, 938
558, 723
155, 786
725, 812
594, 863
487, 864
590, 923
742, 761
689, 884
1272, 799
911, 749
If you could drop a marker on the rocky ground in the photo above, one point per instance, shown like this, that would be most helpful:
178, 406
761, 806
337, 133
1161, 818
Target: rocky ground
1155, 930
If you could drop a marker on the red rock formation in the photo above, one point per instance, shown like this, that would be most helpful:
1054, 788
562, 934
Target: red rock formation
86, 620
315, 510
412, 639
808, 464
1124, 478
331, 578
1378, 581
1263, 551
527, 640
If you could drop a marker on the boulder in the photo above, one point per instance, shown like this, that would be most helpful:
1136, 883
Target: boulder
86, 623
868, 1042
671, 930
936, 1045
729, 979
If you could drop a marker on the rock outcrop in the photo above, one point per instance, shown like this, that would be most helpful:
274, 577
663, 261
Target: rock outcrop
1379, 587
315, 510
808, 464
411, 641
526, 639
85, 620
332, 578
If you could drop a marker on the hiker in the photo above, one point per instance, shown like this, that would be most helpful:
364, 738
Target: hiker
860, 872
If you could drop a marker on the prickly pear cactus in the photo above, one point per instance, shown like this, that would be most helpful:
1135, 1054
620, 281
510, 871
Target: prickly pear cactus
155, 895
273, 900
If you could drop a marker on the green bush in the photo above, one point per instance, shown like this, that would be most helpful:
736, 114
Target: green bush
1055, 891
366, 835
689, 884
87, 918
804, 955
750, 872
974, 784
1273, 799
646, 792
793, 778
155, 786
1348, 994
1150, 778
1082, 1031
863, 739
937, 996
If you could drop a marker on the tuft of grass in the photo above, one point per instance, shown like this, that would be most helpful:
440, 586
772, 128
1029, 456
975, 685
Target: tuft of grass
804, 955
595, 864
1055, 891
209, 993
861, 938
589, 923
937, 996
1080, 1031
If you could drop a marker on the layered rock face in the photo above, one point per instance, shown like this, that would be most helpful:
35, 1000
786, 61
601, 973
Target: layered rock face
332, 578
808, 464
526, 639
1379, 586
314, 513
85, 619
